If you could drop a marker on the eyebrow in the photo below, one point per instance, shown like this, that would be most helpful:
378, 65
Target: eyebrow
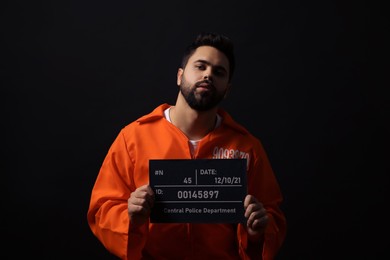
214, 66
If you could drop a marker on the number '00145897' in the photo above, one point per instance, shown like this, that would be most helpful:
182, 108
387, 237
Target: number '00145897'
197, 194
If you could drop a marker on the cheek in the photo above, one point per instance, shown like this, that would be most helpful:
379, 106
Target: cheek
223, 91
191, 78
221, 86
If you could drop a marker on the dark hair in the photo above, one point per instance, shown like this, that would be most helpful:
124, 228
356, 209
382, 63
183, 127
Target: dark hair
218, 41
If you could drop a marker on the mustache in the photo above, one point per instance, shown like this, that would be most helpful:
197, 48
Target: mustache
206, 81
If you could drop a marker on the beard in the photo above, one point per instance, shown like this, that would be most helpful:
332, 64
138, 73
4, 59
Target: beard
200, 101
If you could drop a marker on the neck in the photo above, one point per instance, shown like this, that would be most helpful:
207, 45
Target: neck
194, 124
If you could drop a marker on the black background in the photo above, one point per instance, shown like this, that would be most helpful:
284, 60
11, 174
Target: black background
310, 83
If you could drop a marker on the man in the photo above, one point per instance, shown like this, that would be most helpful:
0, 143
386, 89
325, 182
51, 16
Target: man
195, 127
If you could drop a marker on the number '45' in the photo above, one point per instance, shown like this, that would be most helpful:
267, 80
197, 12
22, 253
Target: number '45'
188, 180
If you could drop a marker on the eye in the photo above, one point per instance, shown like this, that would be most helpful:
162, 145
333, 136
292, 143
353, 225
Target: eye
220, 72
200, 66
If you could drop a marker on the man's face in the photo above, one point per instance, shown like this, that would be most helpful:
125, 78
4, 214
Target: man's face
204, 81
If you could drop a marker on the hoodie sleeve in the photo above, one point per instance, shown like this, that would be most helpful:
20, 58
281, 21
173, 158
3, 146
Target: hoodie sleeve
107, 214
263, 184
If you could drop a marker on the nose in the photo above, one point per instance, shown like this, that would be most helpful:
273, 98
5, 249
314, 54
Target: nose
207, 74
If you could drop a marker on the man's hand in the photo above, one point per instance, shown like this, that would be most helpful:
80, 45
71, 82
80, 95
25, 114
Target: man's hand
140, 204
256, 214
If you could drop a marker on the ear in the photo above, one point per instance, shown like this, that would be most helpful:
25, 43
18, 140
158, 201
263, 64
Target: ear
180, 72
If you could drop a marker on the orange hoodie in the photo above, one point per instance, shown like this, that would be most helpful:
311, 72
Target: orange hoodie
126, 167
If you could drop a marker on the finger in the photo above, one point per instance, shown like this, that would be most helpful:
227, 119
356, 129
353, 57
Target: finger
259, 223
248, 200
150, 196
149, 190
252, 208
140, 204
143, 192
252, 216
146, 193
258, 219
142, 209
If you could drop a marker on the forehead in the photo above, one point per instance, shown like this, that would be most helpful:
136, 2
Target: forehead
211, 55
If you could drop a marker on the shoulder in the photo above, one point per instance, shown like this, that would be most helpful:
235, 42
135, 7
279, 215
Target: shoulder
239, 130
145, 121
228, 121
154, 115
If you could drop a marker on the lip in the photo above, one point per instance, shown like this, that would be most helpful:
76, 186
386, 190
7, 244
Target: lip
204, 85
